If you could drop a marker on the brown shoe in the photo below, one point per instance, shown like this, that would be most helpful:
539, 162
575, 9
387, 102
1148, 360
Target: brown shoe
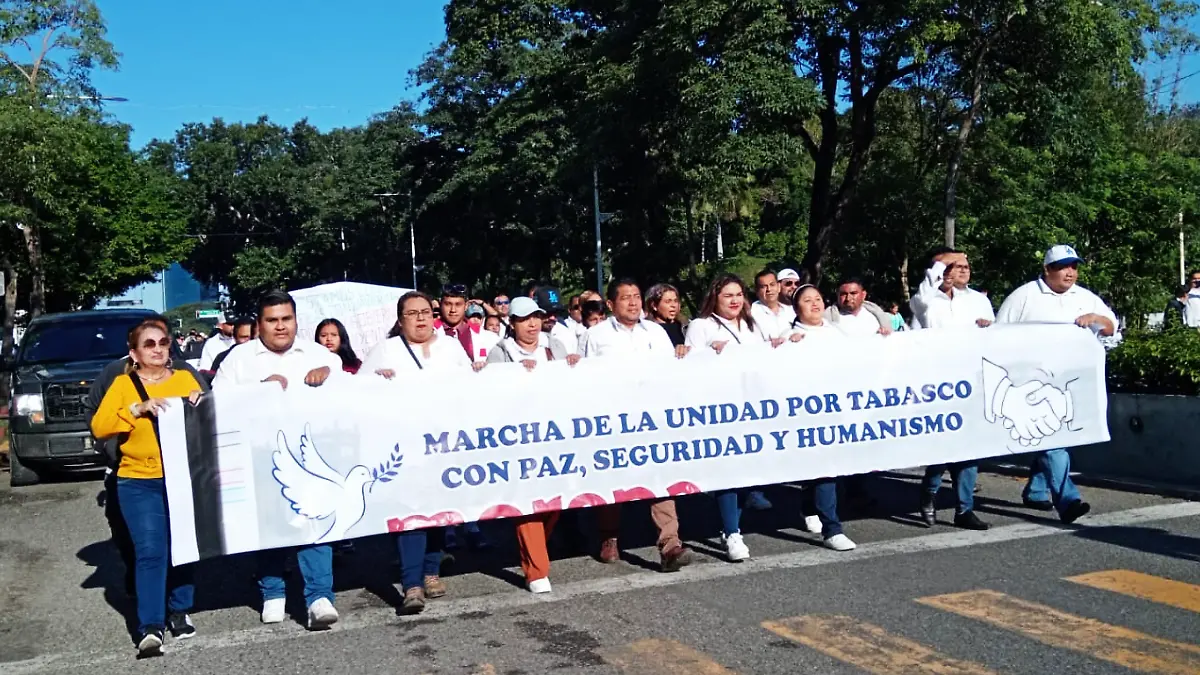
434, 588
609, 553
414, 601
675, 558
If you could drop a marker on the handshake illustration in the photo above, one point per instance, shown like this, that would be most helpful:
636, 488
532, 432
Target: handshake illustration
1031, 411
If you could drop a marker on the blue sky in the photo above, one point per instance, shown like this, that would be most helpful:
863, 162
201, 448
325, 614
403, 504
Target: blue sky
291, 59
334, 63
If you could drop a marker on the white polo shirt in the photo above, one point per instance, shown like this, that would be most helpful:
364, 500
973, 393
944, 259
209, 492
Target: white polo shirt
445, 352
862, 324
252, 362
567, 336
1191, 311
703, 333
610, 338
774, 324
1036, 302
213, 347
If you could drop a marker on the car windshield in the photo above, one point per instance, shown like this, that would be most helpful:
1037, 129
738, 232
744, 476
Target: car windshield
76, 340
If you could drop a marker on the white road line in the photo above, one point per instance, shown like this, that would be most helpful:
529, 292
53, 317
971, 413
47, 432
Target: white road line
375, 616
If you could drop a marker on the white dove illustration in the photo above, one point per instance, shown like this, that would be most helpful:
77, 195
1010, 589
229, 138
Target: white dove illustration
317, 492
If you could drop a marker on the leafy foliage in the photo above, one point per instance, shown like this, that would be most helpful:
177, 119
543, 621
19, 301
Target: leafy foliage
1156, 363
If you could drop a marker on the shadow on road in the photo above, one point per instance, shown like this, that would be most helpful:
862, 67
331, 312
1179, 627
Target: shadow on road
1146, 540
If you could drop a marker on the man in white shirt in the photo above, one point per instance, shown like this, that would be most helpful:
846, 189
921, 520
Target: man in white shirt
276, 356
626, 334
773, 317
944, 300
854, 315
217, 344
1191, 311
1056, 298
789, 281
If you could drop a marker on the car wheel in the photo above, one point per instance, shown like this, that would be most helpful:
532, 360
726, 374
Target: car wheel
21, 475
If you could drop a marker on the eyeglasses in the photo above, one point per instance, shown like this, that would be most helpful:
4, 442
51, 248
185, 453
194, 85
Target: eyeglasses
419, 313
151, 344
455, 288
502, 302
788, 282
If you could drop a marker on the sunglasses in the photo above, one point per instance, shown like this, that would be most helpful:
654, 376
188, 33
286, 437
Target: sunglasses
502, 302
455, 288
151, 344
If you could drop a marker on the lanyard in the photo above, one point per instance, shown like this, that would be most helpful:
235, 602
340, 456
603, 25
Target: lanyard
726, 327
411, 352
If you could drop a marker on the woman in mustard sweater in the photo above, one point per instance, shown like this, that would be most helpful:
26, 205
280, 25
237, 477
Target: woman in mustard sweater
125, 413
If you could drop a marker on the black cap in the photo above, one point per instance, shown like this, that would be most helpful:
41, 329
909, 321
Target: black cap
548, 299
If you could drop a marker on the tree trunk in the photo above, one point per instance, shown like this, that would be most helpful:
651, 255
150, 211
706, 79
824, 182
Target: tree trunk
10, 320
960, 145
37, 281
691, 235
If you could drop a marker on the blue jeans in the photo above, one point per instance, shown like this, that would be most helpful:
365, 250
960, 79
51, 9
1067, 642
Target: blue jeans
964, 474
1050, 480
821, 500
316, 568
420, 555
730, 508
160, 587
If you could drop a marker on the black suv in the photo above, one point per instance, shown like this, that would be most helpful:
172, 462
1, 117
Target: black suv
59, 356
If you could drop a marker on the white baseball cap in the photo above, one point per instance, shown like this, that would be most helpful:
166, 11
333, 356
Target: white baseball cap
1061, 254
788, 273
522, 307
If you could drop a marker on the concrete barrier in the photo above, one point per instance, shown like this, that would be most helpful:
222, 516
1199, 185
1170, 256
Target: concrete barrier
1154, 439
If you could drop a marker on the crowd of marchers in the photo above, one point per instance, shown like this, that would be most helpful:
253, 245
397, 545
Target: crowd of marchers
455, 331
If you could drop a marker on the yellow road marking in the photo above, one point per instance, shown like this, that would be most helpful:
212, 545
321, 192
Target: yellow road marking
1122, 646
662, 657
869, 647
1144, 586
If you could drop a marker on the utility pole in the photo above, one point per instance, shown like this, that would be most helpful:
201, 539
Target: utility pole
596, 209
412, 235
1182, 253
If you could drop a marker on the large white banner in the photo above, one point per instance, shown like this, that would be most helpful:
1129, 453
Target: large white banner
368, 311
256, 467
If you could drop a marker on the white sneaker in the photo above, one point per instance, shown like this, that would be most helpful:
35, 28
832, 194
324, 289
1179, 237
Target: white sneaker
840, 542
321, 614
735, 549
540, 585
757, 501
274, 611
812, 524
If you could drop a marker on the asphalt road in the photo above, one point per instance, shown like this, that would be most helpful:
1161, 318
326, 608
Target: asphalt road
909, 600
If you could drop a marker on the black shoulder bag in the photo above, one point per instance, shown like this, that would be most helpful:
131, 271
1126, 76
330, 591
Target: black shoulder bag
141, 390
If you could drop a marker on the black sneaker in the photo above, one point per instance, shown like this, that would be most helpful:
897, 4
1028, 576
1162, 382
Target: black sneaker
181, 626
928, 511
150, 644
1074, 511
969, 521
1037, 505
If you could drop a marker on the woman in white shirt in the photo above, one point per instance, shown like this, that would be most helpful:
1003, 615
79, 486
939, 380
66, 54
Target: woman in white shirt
413, 344
822, 497
810, 315
725, 323
528, 345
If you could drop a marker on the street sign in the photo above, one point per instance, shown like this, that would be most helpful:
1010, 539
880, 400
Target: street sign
208, 313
